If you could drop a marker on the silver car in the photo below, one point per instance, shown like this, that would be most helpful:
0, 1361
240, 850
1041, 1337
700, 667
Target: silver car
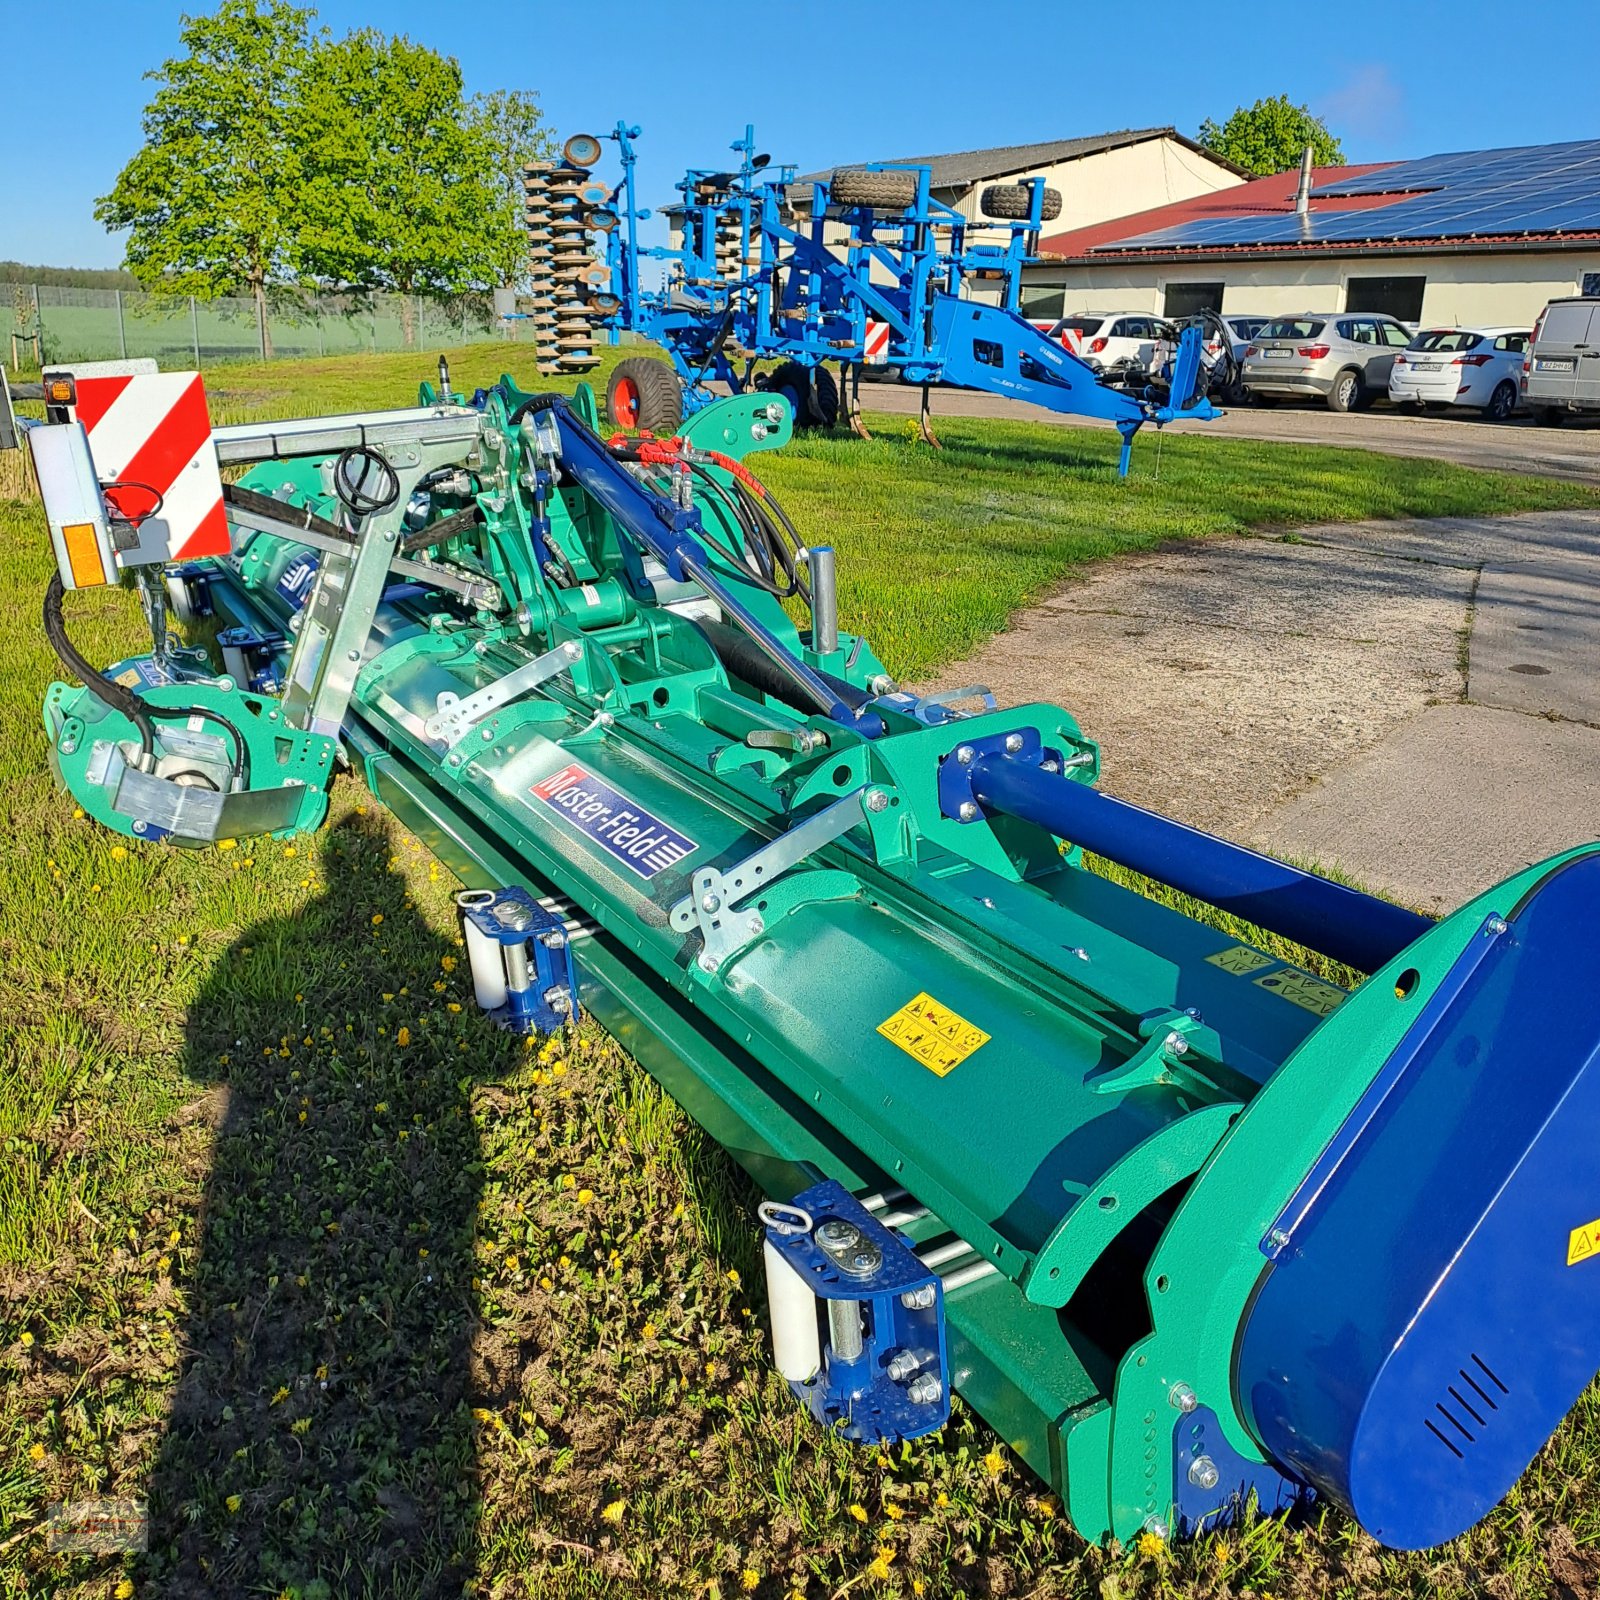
1344, 360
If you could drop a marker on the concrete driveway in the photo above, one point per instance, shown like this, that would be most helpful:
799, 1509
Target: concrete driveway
1416, 703
1522, 445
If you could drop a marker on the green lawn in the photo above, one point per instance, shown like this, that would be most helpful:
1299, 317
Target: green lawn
363, 1298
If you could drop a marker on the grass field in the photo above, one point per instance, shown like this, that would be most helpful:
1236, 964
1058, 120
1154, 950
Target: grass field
363, 1298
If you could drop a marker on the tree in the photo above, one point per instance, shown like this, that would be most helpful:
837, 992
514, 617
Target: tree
1271, 136
511, 123
408, 185
212, 199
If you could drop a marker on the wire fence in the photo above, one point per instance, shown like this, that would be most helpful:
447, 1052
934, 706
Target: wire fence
44, 323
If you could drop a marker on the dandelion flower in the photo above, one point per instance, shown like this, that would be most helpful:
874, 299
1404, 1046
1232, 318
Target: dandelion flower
448, 963
227, 844
733, 1276
567, 1180
649, 1330
36, 1452
878, 1568
118, 853
613, 1512
27, 1341
1152, 1545
585, 1196
859, 1513
918, 1586
403, 1037
280, 1396
994, 1463
893, 1512
941, 1499
124, 1589
749, 1580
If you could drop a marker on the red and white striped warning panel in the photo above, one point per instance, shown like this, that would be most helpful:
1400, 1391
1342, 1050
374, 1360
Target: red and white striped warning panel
150, 434
876, 346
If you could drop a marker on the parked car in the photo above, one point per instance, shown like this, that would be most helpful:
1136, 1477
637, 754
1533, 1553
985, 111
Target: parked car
1226, 336
1462, 367
1119, 345
1344, 360
1561, 370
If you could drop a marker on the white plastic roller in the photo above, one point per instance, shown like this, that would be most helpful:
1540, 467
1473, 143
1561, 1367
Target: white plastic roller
796, 1339
484, 954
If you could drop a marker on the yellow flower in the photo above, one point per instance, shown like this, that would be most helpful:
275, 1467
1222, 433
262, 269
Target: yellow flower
567, 1180
36, 1452
893, 1512
1152, 1545
1047, 1509
711, 1369
281, 1395
118, 853
452, 1005
649, 1330
479, 1414
123, 1590
859, 1513
403, 1038
545, 1283
27, 1341
289, 850
233, 1502
878, 1568
941, 1499
585, 1196
300, 1425
381, 1107
613, 1512
994, 1463
749, 1580
564, 1262
918, 1586
227, 844
448, 963
733, 1276
377, 918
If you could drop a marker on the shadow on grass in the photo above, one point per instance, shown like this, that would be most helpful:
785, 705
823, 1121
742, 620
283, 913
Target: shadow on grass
321, 1440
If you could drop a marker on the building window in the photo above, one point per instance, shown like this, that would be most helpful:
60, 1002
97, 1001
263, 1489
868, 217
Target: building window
1589, 286
1400, 298
1190, 299
1043, 302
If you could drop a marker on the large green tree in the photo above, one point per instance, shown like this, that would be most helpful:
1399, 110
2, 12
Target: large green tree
409, 188
211, 201
1271, 136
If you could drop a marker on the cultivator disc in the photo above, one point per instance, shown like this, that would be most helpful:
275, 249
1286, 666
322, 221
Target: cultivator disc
564, 207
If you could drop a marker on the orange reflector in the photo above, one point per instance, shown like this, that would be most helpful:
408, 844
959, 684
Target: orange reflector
59, 391
82, 545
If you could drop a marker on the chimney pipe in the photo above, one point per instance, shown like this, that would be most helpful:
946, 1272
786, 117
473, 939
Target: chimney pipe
1302, 195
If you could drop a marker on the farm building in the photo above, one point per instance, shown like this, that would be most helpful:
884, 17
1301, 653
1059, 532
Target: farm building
1481, 237
1098, 175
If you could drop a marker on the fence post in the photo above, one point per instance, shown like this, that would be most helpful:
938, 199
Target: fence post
261, 323
463, 319
194, 331
316, 311
122, 327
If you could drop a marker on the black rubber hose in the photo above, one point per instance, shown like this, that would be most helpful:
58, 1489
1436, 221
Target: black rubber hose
296, 516
241, 761
438, 532
746, 660
116, 695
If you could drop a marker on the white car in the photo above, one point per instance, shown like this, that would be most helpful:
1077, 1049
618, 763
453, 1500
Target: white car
1119, 345
1479, 367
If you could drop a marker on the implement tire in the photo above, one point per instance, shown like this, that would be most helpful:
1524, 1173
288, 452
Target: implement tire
882, 191
814, 405
644, 394
1010, 202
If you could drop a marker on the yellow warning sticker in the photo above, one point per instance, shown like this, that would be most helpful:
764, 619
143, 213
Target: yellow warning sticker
1240, 960
932, 1034
1301, 989
129, 679
1583, 1242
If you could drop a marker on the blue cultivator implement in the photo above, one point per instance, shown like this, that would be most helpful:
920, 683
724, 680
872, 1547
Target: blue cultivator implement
864, 268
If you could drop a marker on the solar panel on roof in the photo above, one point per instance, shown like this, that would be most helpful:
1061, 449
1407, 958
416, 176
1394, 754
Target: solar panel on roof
1464, 194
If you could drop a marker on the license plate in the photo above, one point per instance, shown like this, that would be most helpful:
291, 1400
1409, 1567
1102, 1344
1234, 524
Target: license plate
1277, 355
1425, 366
1555, 363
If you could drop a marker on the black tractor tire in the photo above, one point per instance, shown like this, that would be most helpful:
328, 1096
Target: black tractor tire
644, 394
1345, 395
1012, 202
1551, 416
882, 191
815, 405
1502, 402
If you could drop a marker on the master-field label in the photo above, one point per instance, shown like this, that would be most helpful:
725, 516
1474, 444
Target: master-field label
642, 843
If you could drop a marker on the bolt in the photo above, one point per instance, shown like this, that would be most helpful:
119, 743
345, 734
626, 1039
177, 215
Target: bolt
758, 431
572, 649
882, 683
1175, 1044
836, 1234
965, 754
1013, 742
1204, 1473
925, 1389
1049, 764
754, 925
1495, 926
352, 655
488, 735
967, 811
453, 761
902, 1365
556, 939
1155, 1526
919, 1299
1278, 1239
1183, 1397
875, 801
68, 746
139, 827
710, 902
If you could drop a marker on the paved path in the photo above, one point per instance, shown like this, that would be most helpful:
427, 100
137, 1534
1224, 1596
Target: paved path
1413, 702
1522, 445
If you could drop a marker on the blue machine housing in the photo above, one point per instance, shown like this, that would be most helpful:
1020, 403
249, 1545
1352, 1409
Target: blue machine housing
1431, 1309
514, 920
902, 1310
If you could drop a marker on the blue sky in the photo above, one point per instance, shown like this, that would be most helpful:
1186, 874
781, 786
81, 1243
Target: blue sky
823, 83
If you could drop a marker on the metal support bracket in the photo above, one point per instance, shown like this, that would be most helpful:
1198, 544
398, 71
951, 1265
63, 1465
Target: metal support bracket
713, 908
455, 717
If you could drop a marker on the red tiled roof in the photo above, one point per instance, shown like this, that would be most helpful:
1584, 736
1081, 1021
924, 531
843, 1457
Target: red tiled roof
1274, 194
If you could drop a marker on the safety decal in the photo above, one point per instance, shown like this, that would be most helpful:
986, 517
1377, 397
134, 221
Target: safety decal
642, 843
1240, 960
1583, 1242
1301, 989
932, 1034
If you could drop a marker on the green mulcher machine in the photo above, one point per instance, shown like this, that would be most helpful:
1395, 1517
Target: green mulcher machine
1186, 1223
